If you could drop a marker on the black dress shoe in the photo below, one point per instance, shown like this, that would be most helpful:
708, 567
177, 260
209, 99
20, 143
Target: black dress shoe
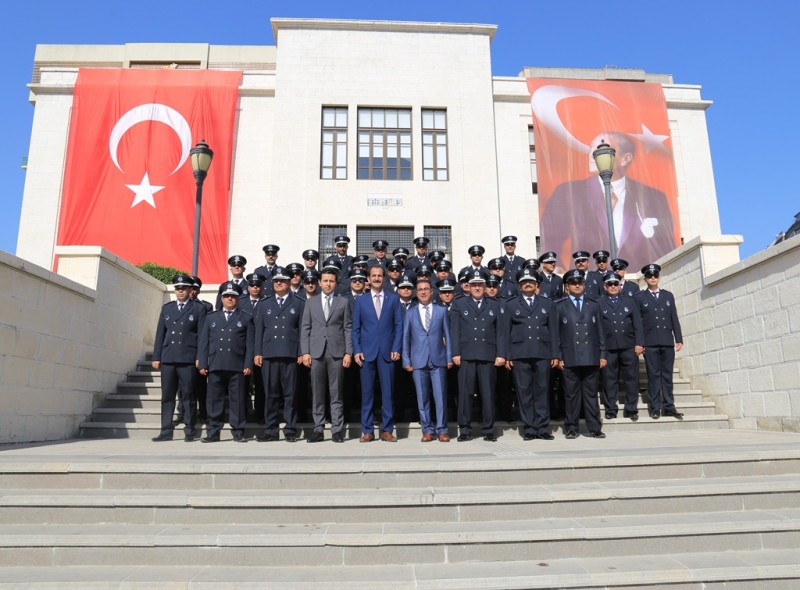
289, 438
210, 439
490, 437
655, 415
266, 438
597, 434
240, 438
611, 415
530, 436
338, 437
571, 434
674, 413
316, 437
189, 438
632, 415
161, 438
546, 436
463, 437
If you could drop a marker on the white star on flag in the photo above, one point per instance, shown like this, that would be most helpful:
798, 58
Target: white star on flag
651, 140
144, 192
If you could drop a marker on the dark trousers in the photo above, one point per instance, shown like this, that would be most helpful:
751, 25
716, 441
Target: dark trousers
623, 366
580, 389
280, 377
659, 362
476, 376
230, 385
384, 370
532, 380
178, 379
504, 395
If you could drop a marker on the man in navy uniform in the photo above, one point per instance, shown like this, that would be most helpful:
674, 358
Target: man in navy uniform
476, 253
254, 294
581, 354
394, 270
625, 342
311, 283
379, 248
270, 262
277, 353
421, 246
342, 243
295, 272
179, 324
506, 287
514, 262
662, 339
237, 266
552, 286
200, 381
595, 278
474, 322
225, 354
249, 302
529, 345
310, 258
626, 288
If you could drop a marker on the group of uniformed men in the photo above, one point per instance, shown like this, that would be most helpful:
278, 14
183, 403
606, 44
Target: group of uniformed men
411, 325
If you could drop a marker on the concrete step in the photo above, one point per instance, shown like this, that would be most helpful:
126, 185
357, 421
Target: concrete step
397, 505
398, 543
147, 428
738, 570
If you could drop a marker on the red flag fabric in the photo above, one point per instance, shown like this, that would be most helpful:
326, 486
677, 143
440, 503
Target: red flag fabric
128, 183
570, 119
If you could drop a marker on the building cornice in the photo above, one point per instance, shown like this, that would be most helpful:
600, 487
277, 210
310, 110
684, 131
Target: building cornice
279, 24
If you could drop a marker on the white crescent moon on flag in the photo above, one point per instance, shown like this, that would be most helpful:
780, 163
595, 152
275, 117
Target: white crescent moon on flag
152, 112
544, 103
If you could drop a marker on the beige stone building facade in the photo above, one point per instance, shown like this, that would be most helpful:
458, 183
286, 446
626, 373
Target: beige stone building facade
310, 107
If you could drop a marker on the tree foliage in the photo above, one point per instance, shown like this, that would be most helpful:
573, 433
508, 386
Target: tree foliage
162, 273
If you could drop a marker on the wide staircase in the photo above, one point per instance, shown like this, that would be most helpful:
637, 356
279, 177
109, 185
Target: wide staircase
661, 504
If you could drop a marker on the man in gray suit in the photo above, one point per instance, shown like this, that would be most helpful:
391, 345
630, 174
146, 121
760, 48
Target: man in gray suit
327, 348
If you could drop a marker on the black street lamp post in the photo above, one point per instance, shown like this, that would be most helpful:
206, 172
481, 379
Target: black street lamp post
604, 159
201, 157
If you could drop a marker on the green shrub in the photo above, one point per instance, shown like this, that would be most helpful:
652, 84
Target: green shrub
162, 273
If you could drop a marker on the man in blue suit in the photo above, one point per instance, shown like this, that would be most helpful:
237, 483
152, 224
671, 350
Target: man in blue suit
377, 334
426, 353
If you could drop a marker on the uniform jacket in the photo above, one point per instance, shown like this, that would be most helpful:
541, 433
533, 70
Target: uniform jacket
581, 338
475, 331
421, 348
512, 268
595, 286
344, 273
529, 331
241, 282
507, 291
622, 323
278, 328
659, 318
372, 336
316, 333
227, 345
628, 289
177, 332
552, 289
244, 303
413, 262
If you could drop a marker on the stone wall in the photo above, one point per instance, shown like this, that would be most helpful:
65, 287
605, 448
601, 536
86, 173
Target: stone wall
67, 339
741, 326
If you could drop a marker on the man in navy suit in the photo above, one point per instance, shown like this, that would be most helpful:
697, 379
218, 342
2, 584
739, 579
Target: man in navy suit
225, 354
175, 346
377, 335
427, 355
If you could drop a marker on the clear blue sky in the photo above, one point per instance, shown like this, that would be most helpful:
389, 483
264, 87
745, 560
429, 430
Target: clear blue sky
745, 56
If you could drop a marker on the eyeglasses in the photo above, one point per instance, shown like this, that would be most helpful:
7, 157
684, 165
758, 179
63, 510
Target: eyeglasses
651, 275
226, 295
180, 288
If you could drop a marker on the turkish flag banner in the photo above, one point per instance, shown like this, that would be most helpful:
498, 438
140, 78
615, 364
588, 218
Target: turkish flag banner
128, 182
570, 119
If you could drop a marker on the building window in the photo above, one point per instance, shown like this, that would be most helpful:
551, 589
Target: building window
396, 236
538, 246
434, 144
327, 234
333, 162
384, 144
441, 237
532, 147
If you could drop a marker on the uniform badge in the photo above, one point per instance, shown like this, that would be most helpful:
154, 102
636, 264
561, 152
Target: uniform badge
291, 310
466, 312
626, 309
594, 320
564, 319
517, 312
667, 303
239, 324
191, 318
491, 313
166, 317
606, 311
269, 312
213, 324
544, 311
646, 304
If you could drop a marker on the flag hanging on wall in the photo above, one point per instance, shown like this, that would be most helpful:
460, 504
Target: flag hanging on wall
128, 183
570, 119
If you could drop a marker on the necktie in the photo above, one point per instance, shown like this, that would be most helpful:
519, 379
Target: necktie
405, 306
478, 303
427, 317
614, 300
280, 302
578, 305
326, 308
180, 307
614, 199
530, 301
227, 315
378, 305
655, 294
253, 303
